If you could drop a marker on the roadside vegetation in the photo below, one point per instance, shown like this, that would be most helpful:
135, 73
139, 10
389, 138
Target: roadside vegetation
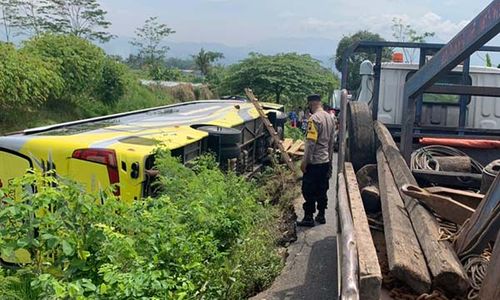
55, 78
209, 235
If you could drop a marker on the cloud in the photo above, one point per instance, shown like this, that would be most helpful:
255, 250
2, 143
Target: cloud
444, 29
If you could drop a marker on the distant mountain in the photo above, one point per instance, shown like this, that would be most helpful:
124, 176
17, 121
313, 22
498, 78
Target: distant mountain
319, 48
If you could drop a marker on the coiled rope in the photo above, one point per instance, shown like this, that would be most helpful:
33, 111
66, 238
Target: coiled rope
423, 158
476, 267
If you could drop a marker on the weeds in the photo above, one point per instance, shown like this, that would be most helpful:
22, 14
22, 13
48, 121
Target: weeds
206, 237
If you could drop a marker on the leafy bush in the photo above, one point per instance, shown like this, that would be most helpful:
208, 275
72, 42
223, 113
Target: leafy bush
293, 133
113, 83
25, 80
80, 63
206, 237
162, 73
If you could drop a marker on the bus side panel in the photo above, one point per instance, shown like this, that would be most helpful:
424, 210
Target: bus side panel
12, 165
93, 176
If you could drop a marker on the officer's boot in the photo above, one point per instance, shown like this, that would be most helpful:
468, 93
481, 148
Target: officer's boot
320, 218
308, 221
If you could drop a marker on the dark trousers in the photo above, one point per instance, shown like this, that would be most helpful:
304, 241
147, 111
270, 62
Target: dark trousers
315, 185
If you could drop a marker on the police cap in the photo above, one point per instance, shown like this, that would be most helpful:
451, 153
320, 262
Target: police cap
314, 97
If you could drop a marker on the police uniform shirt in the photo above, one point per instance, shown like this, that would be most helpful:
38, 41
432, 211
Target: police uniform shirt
319, 139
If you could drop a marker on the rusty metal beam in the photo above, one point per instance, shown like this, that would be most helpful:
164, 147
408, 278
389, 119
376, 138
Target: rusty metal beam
477, 33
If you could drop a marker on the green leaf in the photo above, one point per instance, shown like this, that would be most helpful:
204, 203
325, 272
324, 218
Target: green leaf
67, 248
22, 256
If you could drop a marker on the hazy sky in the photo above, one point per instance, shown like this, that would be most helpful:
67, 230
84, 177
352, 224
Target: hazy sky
239, 22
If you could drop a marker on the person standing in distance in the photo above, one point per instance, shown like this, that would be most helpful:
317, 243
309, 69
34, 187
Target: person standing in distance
317, 162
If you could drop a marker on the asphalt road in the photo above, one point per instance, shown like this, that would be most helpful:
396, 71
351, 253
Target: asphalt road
311, 267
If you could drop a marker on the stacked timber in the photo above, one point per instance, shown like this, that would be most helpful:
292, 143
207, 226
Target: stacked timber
370, 275
405, 257
416, 253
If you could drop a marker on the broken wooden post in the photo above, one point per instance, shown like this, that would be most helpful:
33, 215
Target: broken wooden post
271, 130
370, 276
405, 257
490, 289
444, 265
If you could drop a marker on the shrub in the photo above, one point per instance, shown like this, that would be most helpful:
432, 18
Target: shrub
161, 73
80, 63
113, 82
293, 133
25, 80
195, 241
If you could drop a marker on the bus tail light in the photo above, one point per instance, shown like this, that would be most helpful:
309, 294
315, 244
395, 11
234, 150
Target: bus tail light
105, 157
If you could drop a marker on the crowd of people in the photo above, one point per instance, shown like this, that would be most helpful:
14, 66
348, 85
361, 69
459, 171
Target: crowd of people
298, 117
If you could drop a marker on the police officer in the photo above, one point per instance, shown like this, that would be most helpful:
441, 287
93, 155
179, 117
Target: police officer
317, 163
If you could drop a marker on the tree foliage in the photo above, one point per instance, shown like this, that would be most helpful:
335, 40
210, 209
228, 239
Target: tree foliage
26, 80
82, 18
205, 59
488, 61
31, 19
86, 70
354, 79
149, 41
79, 61
403, 32
284, 78
8, 11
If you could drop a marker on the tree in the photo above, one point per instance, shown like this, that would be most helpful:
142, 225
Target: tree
205, 59
488, 60
83, 18
354, 79
30, 19
149, 39
8, 11
284, 78
180, 63
406, 33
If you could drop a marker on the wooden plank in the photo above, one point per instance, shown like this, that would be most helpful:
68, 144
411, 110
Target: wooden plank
405, 257
470, 199
295, 147
490, 289
287, 143
446, 207
370, 275
299, 153
445, 268
271, 130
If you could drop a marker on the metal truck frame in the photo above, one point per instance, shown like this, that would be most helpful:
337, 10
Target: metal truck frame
446, 57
